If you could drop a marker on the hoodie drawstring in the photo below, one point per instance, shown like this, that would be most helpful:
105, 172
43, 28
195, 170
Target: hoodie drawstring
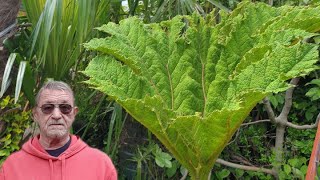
51, 168
63, 167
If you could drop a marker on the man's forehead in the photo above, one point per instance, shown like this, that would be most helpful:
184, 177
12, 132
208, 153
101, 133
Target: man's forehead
49, 95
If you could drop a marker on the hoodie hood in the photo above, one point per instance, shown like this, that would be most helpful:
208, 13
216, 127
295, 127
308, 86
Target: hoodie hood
34, 148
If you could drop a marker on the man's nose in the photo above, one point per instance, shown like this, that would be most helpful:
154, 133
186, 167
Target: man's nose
56, 113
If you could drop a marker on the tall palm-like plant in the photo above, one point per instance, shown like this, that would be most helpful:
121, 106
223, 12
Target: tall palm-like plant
60, 27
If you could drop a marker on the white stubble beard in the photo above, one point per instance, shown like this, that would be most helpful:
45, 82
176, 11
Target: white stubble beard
56, 132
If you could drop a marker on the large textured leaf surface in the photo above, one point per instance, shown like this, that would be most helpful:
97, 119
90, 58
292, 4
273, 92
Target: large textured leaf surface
192, 82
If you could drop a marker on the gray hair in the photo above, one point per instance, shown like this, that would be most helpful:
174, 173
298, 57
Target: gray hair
54, 85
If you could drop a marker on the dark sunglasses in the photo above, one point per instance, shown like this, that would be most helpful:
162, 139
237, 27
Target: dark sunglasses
48, 108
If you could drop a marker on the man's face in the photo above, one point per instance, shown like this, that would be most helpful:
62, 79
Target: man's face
54, 124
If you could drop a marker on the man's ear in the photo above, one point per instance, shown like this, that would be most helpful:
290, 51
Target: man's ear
75, 110
34, 114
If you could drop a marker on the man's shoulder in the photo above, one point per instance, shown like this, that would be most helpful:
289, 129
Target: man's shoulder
96, 152
15, 157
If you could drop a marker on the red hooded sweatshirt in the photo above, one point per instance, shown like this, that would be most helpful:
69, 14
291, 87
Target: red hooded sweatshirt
78, 162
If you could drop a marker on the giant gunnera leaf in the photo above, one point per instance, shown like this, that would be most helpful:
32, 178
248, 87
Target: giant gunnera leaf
192, 82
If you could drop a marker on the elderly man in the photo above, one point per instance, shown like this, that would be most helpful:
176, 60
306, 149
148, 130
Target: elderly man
55, 154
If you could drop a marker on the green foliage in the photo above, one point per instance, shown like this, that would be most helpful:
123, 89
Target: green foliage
314, 93
115, 129
59, 29
19, 46
151, 159
13, 122
300, 143
223, 174
159, 10
140, 157
170, 172
167, 9
192, 83
163, 159
295, 169
100, 122
255, 142
277, 100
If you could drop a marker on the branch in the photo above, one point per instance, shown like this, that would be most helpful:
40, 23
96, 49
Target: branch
234, 139
247, 168
288, 99
256, 122
11, 111
241, 159
246, 124
8, 29
269, 110
184, 176
301, 127
271, 2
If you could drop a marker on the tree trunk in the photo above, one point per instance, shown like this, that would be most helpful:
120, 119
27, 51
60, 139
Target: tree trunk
279, 146
282, 123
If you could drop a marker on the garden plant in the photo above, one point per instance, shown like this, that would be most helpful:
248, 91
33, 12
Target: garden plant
192, 81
